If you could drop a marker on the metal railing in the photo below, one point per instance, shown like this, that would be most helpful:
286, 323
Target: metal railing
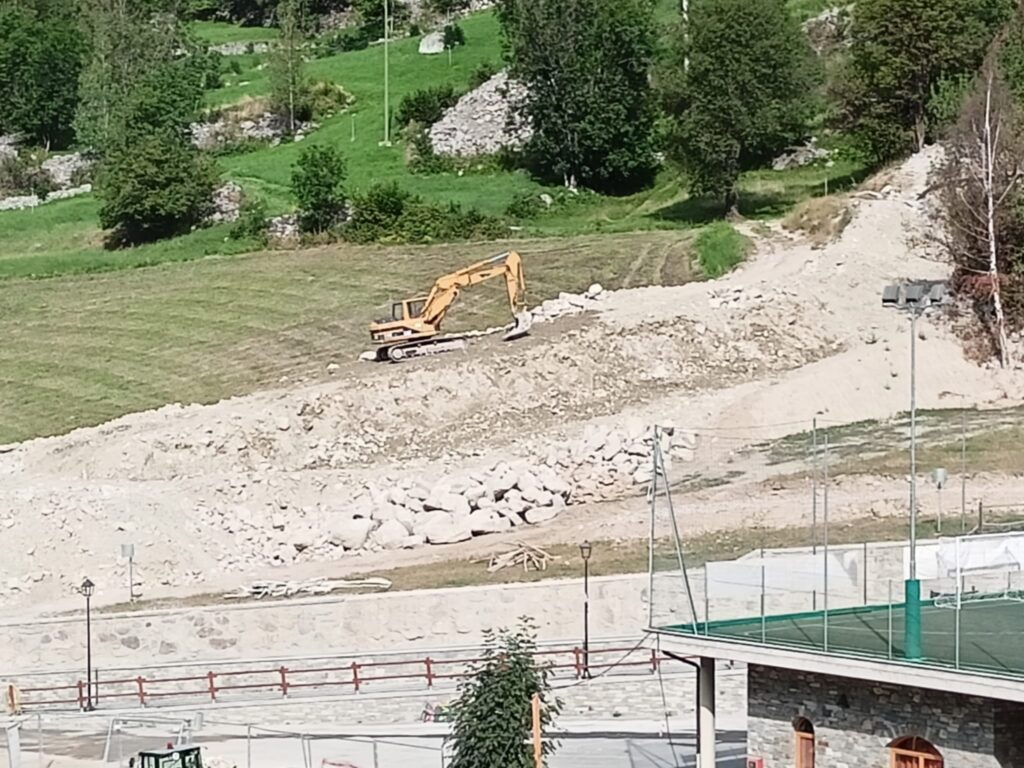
323, 676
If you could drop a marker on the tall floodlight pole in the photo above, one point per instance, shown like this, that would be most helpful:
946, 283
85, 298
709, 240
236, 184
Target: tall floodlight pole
86, 591
914, 297
387, 83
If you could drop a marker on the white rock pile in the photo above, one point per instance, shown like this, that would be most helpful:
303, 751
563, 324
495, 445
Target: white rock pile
405, 512
227, 203
479, 123
228, 129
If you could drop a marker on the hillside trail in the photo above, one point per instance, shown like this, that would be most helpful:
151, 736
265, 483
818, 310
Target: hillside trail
795, 333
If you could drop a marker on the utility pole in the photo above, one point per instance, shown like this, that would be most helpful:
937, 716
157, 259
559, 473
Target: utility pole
387, 82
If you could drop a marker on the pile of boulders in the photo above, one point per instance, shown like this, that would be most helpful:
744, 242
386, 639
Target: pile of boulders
394, 513
480, 124
797, 157
241, 48
228, 130
63, 170
227, 203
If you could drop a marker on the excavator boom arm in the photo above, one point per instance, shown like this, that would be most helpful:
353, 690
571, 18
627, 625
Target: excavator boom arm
446, 290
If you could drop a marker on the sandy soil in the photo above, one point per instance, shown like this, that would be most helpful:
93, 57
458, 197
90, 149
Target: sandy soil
796, 333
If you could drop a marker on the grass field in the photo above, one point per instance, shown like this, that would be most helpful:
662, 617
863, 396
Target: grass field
218, 32
63, 237
80, 350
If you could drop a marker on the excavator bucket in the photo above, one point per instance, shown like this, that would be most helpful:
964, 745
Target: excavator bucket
522, 326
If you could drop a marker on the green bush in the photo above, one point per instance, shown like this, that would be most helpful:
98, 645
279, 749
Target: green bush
414, 30
154, 186
326, 98
424, 159
235, 67
345, 40
454, 36
525, 205
426, 105
482, 74
318, 185
252, 221
387, 213
23, 175
720, 248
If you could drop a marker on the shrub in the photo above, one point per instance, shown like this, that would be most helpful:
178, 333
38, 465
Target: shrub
154, 186
252, 221
482, 74
317, 183
424, 159
326, 98
387, 213
525, 205
235, 66
454, 36
720, 248
426, 106
414, 30
23, 175
348, 39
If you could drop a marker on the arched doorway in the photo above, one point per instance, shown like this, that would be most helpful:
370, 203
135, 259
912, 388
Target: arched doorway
913, 752
803, 734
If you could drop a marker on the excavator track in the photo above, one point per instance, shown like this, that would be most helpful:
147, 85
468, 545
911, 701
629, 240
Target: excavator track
397, 353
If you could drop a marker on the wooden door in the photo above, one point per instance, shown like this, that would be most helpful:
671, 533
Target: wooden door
907, 758
805, 750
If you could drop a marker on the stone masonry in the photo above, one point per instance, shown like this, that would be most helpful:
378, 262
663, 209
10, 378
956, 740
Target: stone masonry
855, 721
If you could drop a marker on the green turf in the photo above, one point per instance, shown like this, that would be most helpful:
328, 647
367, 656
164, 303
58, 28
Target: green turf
989, 635
218, 32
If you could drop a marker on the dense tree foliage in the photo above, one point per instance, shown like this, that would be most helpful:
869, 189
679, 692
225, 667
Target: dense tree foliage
152, 182
318, 183
492, 714
901, 51
590, 104
739, 90
41, 55
371, 15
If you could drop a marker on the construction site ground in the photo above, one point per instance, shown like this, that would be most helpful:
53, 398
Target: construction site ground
740, 366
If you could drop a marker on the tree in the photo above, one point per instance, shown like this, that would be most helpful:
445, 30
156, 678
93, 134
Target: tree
585, 64
739, 89
289, 91
371, 16
981, 190
318, 185
128, 39
900, 51
152, 181
155, 186
41, 56
492, 714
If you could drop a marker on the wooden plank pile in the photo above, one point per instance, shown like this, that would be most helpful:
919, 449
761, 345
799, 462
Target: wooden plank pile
525, 555
316, 586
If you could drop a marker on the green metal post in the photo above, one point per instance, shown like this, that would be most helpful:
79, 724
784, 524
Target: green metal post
912, 620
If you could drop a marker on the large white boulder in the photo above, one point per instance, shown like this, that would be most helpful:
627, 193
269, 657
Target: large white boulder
432, 43
352, 533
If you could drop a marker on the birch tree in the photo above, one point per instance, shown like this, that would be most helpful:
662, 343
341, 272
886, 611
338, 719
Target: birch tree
982, 195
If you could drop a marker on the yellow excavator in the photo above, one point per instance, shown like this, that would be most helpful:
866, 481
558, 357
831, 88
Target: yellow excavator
414, 328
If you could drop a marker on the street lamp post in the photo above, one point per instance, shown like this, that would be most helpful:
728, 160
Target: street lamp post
585, 550
86, 591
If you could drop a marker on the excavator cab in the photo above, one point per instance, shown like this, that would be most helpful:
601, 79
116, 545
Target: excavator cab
172, 757
409, 309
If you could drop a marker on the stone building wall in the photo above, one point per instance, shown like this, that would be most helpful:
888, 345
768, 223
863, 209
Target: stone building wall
854, 721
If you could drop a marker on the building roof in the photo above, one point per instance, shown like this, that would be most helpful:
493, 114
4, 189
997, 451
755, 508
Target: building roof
982, 642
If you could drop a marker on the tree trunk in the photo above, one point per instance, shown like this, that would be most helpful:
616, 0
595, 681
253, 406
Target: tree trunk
732, 203
988, 179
